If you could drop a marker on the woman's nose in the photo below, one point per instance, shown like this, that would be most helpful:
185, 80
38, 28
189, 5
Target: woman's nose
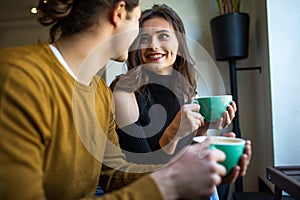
154, 44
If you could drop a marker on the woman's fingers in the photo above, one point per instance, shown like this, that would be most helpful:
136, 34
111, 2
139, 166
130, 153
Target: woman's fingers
246, 157
190, 112
233, 104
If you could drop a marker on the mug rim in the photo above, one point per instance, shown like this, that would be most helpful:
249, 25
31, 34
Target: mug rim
214, 96
214, 140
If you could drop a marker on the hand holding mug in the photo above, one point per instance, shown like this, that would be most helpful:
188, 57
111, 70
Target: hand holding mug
218, 111
241, 168
192, 173
240, 163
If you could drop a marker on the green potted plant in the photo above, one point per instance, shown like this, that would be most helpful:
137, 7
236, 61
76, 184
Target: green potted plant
230, 31
228, 6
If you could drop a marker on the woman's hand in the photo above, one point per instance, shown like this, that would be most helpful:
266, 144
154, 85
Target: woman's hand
187, 120
221, 123
241, 168
190, 119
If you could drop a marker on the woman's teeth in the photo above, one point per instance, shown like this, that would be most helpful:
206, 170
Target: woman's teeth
156, 56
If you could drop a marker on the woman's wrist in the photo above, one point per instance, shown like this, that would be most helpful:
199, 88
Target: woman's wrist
169, 140
168, 136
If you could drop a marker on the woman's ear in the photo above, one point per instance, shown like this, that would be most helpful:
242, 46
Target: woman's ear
119, 13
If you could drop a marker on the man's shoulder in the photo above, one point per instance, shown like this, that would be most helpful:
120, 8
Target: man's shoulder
23, 50
19, 56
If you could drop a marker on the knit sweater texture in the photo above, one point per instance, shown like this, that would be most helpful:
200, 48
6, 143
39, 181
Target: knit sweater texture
58, 138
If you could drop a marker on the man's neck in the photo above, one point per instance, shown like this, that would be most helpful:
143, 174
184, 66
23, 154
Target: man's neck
82, 54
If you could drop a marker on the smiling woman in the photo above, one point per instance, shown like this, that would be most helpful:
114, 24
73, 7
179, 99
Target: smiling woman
157, 76
153, 113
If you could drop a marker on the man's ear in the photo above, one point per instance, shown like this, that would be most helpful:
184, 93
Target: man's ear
119, 13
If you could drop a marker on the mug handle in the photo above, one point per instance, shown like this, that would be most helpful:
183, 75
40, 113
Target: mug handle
194, 101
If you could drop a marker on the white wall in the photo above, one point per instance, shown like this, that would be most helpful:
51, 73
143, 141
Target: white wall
284, 28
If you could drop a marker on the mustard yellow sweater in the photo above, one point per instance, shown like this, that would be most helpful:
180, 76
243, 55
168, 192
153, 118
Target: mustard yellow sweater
57, 136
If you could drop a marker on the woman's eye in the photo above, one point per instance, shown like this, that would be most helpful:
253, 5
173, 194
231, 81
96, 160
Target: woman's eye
164, 36
144, 40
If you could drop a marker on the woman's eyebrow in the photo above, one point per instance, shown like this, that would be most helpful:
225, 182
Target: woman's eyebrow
157, 32
161, 31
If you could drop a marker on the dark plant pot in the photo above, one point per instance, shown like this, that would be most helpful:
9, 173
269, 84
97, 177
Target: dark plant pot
230, 34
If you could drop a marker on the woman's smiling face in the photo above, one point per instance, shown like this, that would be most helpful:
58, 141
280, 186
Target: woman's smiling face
159, 45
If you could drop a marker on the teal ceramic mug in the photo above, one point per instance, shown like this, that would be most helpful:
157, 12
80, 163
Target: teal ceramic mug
213, 107
232, 147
